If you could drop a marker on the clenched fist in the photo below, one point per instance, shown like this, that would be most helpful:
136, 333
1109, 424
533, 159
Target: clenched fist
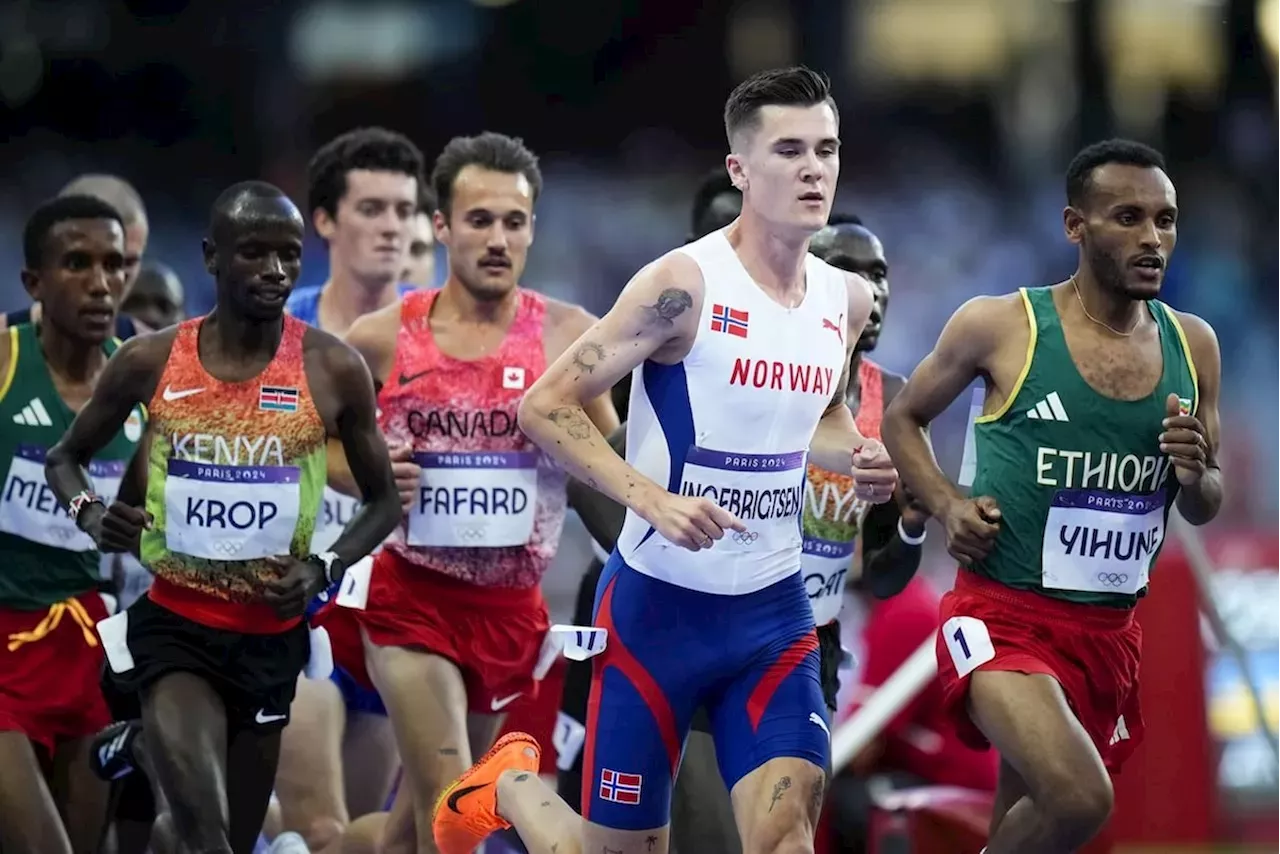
972, 526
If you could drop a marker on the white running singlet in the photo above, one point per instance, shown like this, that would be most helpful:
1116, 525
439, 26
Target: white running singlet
733, 420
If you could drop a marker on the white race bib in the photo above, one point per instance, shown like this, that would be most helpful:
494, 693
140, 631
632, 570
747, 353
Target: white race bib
335, 513
475, 499
825, 566
1101, 542
29, 509
765, 492
230, 512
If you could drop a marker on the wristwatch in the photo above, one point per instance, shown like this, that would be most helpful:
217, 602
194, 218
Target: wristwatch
331, 563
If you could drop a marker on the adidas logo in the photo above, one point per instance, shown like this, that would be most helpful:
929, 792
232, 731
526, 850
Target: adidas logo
34, 415
1121, 733
1049, 409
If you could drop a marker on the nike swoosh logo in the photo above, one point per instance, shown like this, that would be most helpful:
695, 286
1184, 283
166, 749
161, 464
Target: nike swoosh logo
498, 705
405, 379
171, 395
263, 718
459, 794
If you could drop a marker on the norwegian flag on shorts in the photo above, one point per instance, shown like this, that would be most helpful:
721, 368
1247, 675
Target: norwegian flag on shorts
620, 788
730, 320
274, 398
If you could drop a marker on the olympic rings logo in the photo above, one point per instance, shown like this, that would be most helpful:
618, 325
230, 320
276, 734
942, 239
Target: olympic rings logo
62, 535
1113, 579
224, 547
471, 534
745, 538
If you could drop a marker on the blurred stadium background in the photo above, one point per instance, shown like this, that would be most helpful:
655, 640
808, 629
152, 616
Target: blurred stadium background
958, 119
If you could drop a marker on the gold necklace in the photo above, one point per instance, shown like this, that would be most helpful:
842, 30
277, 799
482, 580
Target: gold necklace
1107, 326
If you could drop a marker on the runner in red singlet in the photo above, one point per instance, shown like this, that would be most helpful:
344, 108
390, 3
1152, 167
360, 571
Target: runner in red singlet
455, 619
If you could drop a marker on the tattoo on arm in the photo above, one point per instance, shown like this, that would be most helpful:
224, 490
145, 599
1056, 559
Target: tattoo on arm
778, 788
572, 420
649, 842
671, 304
520, 778
817, 794
448, 751
588, 356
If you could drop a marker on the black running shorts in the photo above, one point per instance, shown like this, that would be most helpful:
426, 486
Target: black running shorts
255, 675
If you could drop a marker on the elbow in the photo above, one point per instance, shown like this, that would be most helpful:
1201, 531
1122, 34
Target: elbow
58, 457
532, 410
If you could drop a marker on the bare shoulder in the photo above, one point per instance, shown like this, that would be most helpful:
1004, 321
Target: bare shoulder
991, 317
336, 361
376, 330
148, 353
1201, 338
675, 280
567, 318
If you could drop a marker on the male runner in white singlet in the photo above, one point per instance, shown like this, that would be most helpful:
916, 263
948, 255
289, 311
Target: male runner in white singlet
455, 619
740, 342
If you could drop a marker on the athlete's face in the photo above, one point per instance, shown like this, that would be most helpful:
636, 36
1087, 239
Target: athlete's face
155, 300
488, 230
370, 233
420, 260
787, 166
1127, 226
854, 248
80, 279
256, 258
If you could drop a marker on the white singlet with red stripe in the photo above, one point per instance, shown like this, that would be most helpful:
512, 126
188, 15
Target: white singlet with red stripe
733, 420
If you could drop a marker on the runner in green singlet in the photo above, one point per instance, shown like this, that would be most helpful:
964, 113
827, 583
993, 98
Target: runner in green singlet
50, 658
242, 404
1101, 415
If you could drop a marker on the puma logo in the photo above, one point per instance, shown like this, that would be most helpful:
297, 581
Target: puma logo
837, 328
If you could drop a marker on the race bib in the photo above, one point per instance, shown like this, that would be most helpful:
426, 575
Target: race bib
825, 566
230, 512
332, 519
475, 500
30, 510
1101, 542
765, 492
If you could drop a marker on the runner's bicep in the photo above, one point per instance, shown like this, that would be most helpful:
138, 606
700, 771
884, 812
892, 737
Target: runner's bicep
657, 310
959, 357
362, 451
120, 387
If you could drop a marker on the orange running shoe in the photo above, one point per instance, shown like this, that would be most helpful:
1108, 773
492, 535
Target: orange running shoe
467, 811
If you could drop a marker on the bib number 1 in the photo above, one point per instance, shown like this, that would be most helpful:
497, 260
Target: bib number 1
968, 642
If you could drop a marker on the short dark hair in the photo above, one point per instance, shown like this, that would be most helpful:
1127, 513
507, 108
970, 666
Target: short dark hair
797, 86
1123, 151
426, 199
716, 183
54, 211
845, 219
376, 149
494, 151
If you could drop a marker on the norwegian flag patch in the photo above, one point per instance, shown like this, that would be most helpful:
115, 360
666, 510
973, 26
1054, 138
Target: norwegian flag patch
620, 788
729, 320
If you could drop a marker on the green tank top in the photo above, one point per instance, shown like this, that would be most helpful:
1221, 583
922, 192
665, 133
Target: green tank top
47, 559
236, 475
1083, 488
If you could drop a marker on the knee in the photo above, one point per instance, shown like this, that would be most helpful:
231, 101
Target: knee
323, 832
1080, 810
